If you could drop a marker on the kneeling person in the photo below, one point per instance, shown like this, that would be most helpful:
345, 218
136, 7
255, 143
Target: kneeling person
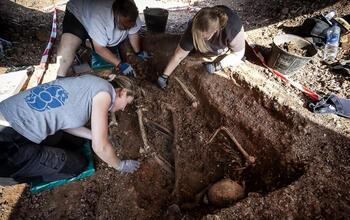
100, 25
44, 110
214, 31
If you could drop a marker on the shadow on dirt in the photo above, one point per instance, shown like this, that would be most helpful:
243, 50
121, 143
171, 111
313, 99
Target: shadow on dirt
29, 32
257, 14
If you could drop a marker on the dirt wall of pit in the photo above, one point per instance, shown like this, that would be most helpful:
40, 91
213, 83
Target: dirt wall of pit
301, 169
301, 159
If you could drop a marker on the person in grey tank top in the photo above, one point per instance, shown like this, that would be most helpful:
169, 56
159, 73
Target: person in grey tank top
66, 104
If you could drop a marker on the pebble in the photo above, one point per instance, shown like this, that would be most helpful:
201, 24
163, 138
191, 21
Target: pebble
42, 35
285, 11
335, 89
212, 217
294, 11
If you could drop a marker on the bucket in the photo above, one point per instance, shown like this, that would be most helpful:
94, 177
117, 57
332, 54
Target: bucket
156, 19
287, 62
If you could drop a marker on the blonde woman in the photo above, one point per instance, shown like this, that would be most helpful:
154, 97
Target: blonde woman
66, 104
213, 31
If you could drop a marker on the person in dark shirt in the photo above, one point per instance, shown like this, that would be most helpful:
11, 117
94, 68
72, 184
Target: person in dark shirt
214, 31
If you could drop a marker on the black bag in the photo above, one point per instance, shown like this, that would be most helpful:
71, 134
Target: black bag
332, 104
315, 29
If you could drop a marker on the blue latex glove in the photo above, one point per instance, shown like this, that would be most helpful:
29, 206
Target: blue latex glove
143, 55
127, 70
213, 67
162, 81
128, 166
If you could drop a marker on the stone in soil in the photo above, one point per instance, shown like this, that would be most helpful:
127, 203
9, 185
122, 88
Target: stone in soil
292, 48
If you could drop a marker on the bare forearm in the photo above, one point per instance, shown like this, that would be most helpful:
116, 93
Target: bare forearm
175, 60
80, 132
107, 154
135, 42
108, 55
232, 59
173, 63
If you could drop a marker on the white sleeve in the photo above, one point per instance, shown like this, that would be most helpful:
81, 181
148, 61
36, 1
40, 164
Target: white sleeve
98, 33
137, 26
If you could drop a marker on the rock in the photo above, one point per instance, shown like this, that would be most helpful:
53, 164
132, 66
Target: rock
283, 16
225, 192
174, 212
42, 35
254, 194
194, 2
294, 11
285, 11
20, 51
323, 66
211, 217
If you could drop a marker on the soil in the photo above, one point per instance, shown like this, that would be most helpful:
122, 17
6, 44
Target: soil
302, 159
294, 49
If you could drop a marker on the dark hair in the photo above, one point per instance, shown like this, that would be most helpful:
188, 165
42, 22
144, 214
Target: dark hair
125, 8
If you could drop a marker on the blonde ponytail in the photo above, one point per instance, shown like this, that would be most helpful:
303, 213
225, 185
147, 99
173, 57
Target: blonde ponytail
123, 82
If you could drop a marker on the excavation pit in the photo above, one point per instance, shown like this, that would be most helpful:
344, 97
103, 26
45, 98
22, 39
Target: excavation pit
283, 140
301, 168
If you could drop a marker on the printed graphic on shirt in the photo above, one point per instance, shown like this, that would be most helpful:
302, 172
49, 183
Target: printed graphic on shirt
46, 97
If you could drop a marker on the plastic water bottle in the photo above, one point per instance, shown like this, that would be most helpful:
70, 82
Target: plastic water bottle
331, 48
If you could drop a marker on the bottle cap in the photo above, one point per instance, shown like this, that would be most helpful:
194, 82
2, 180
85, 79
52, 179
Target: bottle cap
330, 15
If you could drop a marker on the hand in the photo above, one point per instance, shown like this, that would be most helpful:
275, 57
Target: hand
127, 70
143, 55
162, 81
213, 67
128, 166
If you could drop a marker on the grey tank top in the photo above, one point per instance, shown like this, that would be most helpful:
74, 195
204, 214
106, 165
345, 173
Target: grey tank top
60, 104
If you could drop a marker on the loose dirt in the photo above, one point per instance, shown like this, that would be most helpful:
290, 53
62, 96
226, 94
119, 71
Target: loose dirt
301, 169
294, 49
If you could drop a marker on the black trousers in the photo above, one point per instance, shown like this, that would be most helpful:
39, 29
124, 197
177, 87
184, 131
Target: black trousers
73, 26
25, 161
